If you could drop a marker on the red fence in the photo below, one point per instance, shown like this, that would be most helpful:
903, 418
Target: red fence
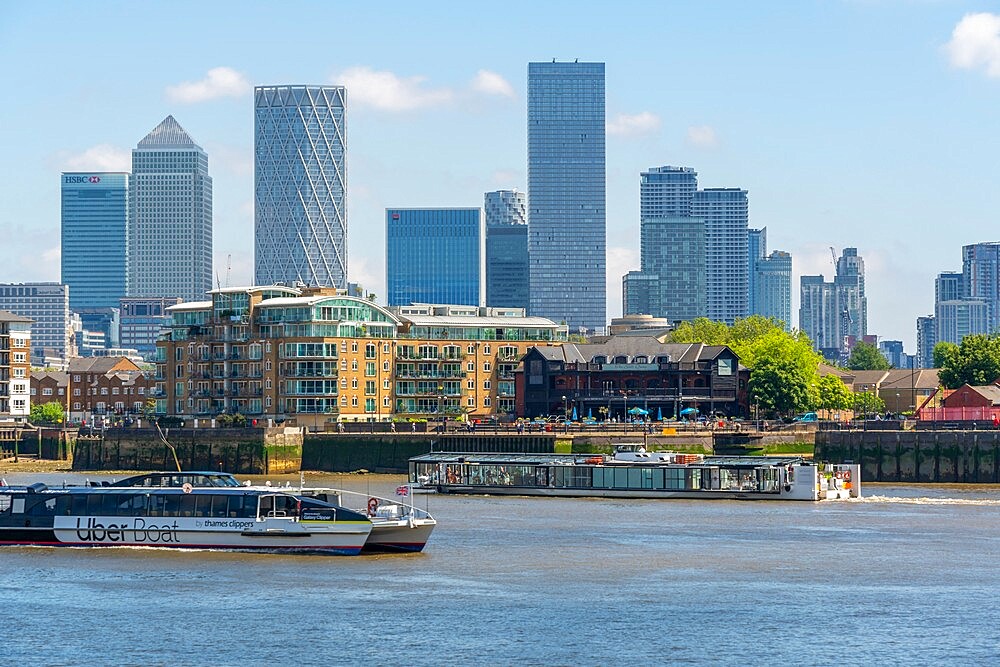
958, 414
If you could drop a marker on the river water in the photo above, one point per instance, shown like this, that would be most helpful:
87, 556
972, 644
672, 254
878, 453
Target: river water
907, 575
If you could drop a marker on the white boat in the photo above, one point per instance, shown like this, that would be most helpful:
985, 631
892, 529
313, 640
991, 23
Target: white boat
396, 526
633, 472
186, 517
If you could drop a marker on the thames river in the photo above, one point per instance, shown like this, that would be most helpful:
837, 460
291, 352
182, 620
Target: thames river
907, 575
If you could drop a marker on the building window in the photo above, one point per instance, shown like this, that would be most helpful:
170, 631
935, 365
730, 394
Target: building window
486, 401
47, 391
354, 346
471, 401
486, 384
76, 406
486, 349
178, 354
343, 401
369, 387
370, 351
76, 391
354, 401
104, 391
354, 364
179, 371
370, 370
471, 349
487, 367
19, 358
471, 384
343, 383
385, 366
471, 367
354, 383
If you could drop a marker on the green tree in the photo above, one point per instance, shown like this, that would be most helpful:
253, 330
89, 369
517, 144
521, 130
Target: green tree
47, 413
976, 361
783, 366
866, 357
867, 403
833, 394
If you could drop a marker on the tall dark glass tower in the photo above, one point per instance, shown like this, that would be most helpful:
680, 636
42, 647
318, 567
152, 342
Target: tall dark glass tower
95, 238
506, 250
566, 194
300, 185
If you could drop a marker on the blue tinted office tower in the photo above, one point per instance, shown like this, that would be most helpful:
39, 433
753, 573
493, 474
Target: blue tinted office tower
673, 249
435, 256
170, 216
756, 251
926, 340
506, 250
566, 193
726, 215
94, 238
981, 277
300, 185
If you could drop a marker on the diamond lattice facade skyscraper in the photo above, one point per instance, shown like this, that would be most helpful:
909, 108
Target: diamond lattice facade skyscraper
567, 236
300, 184
170, 216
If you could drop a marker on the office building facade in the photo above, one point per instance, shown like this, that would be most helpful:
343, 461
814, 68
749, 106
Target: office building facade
926, 340
435, 256
47, 306
567, 243
300, 185
772, 284
170, 220
141, 319
94, 237
506, 249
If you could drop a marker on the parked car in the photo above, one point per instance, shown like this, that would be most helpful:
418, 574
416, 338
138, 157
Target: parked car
807, 417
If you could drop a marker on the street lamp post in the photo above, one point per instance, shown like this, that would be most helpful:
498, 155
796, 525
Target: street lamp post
565, 415
625, 418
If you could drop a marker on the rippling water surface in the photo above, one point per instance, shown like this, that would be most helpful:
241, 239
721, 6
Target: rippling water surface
908, 575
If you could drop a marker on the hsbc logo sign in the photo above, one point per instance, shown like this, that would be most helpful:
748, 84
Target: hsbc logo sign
81, 179
95, 179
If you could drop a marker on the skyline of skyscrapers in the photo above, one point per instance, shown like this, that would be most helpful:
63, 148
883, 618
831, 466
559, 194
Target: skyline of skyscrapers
435, 255
769, 278
832, 312
94, 238
170, 216
506, 249
300, 185
567, 235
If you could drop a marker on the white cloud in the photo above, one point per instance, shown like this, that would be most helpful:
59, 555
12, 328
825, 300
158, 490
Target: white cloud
218, 82
388, 92
975, 43
372, 279
491, 83
703, 136
103, 157
52, 255
636, 125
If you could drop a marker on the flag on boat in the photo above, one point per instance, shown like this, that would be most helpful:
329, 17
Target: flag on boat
403, 490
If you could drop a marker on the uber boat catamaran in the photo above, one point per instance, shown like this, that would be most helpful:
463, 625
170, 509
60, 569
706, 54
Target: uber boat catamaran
396, 526
632, 472
224, 517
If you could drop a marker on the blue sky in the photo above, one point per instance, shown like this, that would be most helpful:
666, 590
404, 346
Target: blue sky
867, 123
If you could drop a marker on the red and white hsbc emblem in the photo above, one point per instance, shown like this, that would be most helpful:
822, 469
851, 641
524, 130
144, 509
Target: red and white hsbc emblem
95, 179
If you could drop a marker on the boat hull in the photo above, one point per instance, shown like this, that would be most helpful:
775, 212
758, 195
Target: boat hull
399, 536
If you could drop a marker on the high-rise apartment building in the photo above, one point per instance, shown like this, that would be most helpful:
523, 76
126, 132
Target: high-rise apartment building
773, 287
15, 362
756, 251
170, 216
926, 340
831, 313
567, 237
506, 249
672, 249
47, 306
667, 192
300, 185
94, 238
726, 215
435, 255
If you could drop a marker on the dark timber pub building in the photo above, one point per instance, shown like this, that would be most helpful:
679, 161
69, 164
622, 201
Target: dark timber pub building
630, 371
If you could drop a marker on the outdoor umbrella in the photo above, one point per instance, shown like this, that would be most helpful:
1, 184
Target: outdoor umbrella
689, 411
659, 414
574, 413
638, 411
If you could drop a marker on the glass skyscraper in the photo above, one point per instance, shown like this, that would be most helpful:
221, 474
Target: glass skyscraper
170, 217
726, 215
94, 238
300, 184
435, 255
566, 193
506, 250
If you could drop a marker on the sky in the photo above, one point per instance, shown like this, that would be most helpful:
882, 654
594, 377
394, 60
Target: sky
860, 123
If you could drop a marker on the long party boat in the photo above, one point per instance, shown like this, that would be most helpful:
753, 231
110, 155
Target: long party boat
632, 472
221, 517
396, 526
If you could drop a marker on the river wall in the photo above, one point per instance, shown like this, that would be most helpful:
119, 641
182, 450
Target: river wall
963, 457
248, 451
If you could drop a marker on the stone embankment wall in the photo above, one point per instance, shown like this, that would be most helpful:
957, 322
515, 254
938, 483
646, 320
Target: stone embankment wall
965, 457
248, 451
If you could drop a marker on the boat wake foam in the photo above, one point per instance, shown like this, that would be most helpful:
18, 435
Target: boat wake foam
927, 501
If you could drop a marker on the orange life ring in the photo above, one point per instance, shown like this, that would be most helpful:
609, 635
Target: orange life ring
847, 475
840, 474
372, 506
